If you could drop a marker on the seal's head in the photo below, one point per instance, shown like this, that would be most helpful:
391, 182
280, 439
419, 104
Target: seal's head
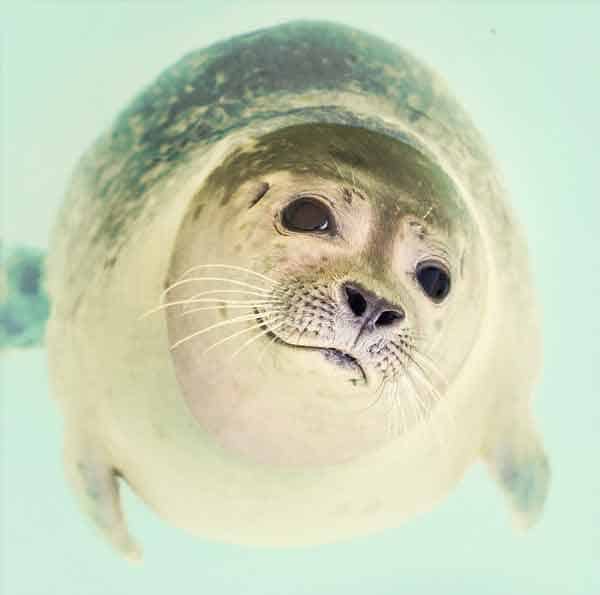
333, 283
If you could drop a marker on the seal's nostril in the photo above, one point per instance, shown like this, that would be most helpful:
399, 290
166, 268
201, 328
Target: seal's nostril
365, 304
356, 301
388, 317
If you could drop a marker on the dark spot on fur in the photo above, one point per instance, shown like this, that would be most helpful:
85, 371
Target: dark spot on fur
350, 157
76, 305
347, 194
197, 211
415, 114
263, 189
110, 263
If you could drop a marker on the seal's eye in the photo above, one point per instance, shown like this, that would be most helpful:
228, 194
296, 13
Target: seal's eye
434, 280
307, 214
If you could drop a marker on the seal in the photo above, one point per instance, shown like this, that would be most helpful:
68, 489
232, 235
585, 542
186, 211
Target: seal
290, 302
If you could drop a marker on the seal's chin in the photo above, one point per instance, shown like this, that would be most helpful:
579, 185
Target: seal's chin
333, 355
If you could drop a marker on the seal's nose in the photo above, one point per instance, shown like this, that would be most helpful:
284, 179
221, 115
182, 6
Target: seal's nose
370, 308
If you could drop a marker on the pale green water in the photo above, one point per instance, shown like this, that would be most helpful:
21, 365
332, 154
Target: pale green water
533, 87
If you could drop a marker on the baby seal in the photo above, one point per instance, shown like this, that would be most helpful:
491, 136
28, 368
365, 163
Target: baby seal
290, 303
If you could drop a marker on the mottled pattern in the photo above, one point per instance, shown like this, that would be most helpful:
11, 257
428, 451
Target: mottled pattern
210, 92
301, 72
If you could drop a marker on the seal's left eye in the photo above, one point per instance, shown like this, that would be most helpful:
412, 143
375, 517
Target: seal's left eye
307, 214
434, 280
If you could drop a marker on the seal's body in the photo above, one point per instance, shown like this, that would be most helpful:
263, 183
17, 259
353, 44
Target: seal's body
339, 309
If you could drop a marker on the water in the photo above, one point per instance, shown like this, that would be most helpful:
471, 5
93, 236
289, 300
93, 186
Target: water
528, 74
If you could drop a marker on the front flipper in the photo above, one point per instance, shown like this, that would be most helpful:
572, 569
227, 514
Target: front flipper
516, 459
96, 486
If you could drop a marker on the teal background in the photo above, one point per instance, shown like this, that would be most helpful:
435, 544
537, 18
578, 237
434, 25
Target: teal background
529, 74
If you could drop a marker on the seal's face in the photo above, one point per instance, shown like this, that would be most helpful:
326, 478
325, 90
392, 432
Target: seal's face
347, 281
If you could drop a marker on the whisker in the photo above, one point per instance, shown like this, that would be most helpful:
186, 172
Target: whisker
248, 306
423, 375
390, 397
267, 346
435, 397
281, 322
164, 307
414, 400
231, 267
426, 360
397, 407
403, 411
441, 403
226, 301
189, 301
423, 407
234, 335
213, 326
223, 279
242, 291
378, 394
304, 329
400, 406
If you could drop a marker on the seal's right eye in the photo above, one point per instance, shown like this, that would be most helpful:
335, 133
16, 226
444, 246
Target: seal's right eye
307, 214
434, 280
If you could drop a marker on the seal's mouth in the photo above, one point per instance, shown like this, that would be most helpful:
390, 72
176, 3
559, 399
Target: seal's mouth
331, 354
340, 358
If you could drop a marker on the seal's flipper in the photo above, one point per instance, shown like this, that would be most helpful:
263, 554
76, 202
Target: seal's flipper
517, 460
96, 486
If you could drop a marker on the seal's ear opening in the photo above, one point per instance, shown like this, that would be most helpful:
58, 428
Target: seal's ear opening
516, 459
